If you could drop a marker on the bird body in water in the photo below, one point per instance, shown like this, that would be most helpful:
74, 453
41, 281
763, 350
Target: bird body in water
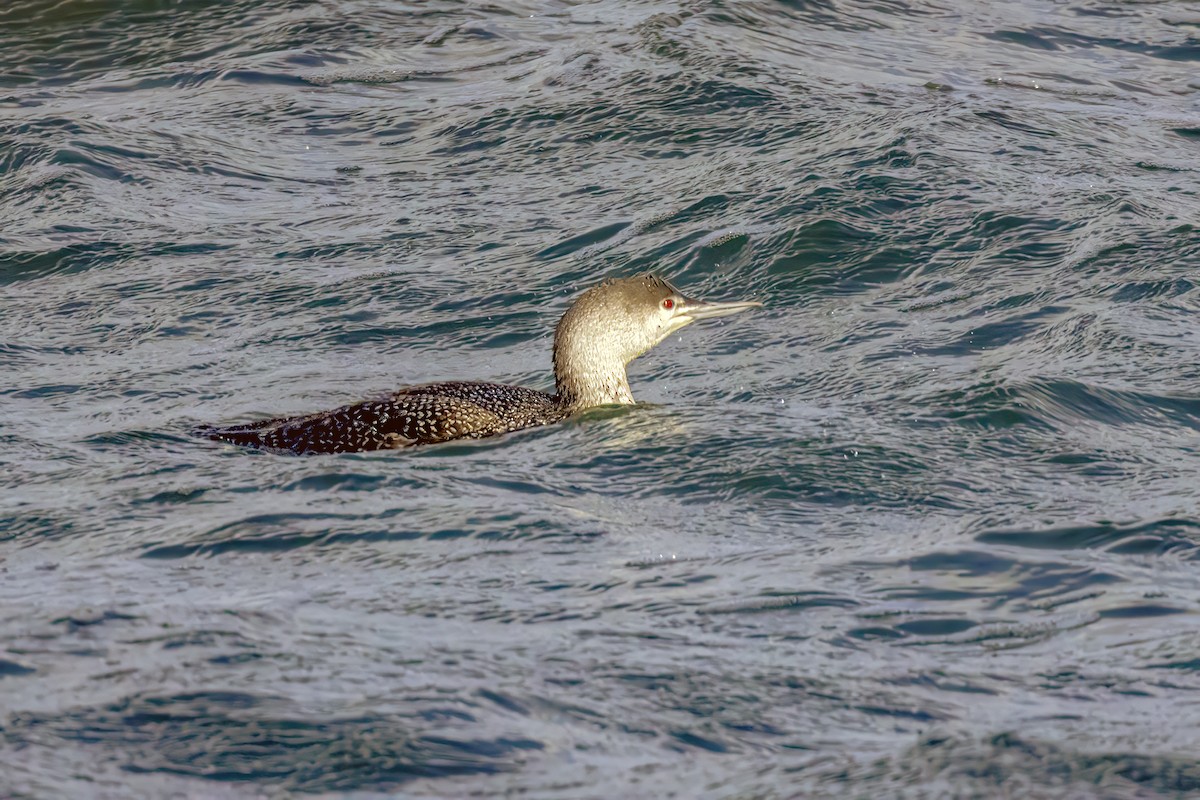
606, 328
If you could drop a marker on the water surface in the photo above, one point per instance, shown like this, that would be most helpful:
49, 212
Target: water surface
925, 526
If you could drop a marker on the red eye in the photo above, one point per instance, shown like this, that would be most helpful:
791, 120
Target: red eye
668, 304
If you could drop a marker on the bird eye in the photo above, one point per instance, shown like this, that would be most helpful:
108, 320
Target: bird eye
668, 304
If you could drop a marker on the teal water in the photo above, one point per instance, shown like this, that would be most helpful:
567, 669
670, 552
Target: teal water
927, 525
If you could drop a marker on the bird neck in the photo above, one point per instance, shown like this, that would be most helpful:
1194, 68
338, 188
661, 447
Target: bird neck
592, 389
599, 335
587, 375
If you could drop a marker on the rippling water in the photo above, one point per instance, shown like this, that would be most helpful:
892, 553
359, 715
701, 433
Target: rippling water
927, 525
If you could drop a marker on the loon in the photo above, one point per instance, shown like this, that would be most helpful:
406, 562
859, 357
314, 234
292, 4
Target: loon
606, 328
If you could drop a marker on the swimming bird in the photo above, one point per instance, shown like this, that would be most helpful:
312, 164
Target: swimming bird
609, 326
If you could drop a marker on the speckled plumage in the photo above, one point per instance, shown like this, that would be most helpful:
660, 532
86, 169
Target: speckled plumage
435, 412
606, 328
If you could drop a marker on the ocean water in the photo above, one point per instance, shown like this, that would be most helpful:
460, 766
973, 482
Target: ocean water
927, 525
